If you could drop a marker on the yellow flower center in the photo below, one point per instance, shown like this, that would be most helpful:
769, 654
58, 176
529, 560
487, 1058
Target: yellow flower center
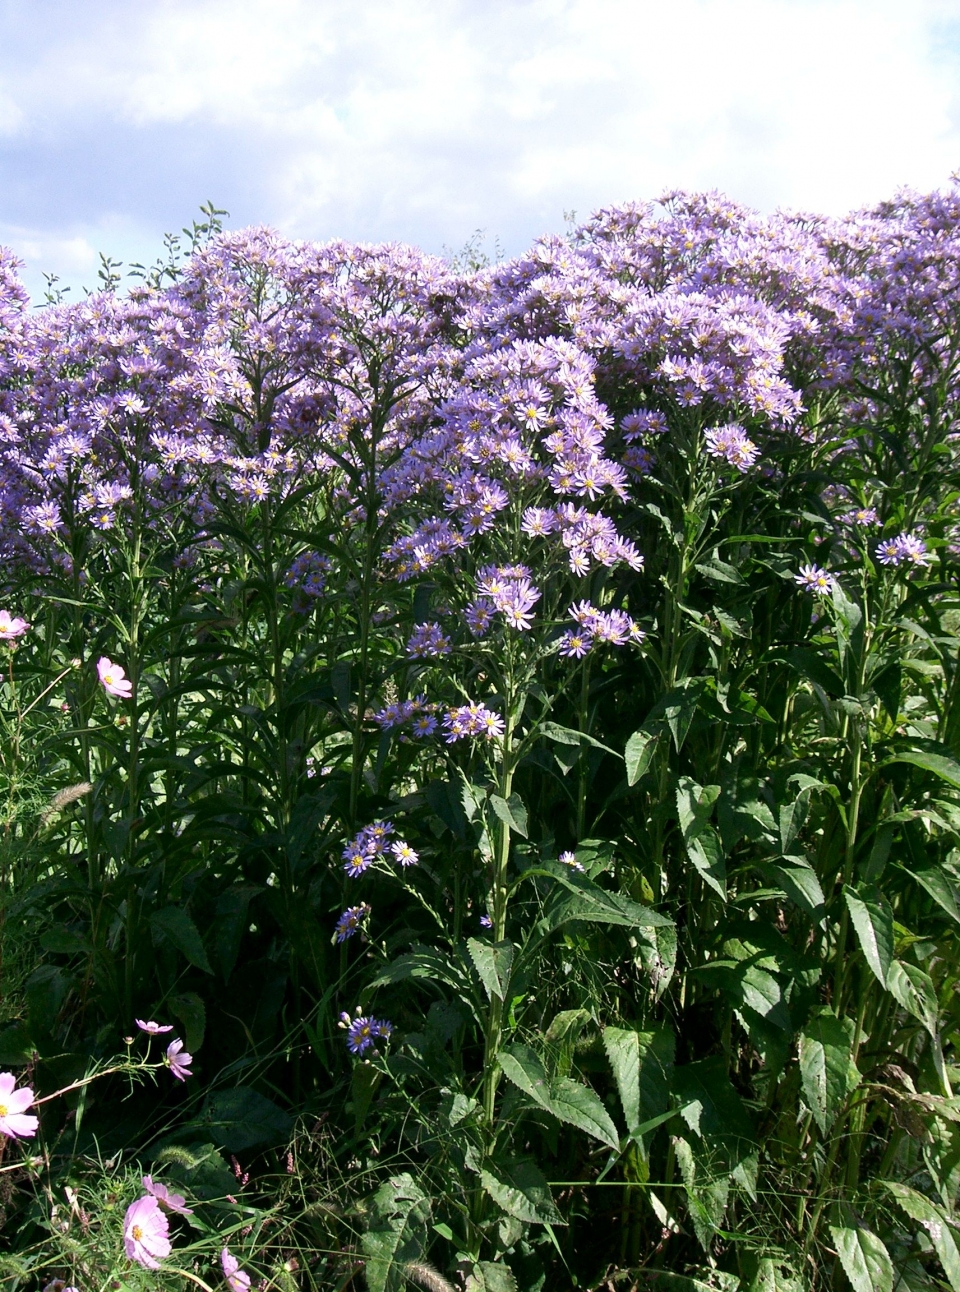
136, 1233
3, 1110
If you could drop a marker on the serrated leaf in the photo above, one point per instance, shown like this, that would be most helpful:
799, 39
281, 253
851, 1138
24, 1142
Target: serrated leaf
570, 736
490, 1276
872, 920
638, 754
701, 840
827, 1071
800, 883
920, 1208
914, 990
771, 1276
511, 812
521, 1190
641, 1063
567, 1100
397, 1234
864, 1257
493, 962
174, 924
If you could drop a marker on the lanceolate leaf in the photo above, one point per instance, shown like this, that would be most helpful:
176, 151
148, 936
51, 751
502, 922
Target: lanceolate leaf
176, 925
827, 1070
939, 887
694, 806
569, 1101
865, 1260
915, 991
872, 919
945, 768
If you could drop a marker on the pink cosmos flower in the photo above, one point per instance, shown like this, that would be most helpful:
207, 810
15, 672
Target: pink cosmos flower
178, 1061
145, 1233
168, 1201
14, 1121
152, 1028
11, 627
238, 1280
114, 679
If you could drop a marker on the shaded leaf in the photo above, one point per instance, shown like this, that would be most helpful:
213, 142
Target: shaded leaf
174, 924
827, 1070
521, 1190
567, 1100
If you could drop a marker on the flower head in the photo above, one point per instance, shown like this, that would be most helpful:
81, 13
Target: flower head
146, 1233
169, 1201
114, 679
812, 579
350, 921
363, 1032
238, 1280
152, 1028
403, 853
11, 627
178, 1061
15, 1122
570, 859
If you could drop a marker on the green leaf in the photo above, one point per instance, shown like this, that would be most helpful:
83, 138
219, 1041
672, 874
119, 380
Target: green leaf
493, 963
722, 1114
16, 1046
174, 924
594, 903
521, 1190
800, 883
567, 1100
511, 812
772, 1276
231, 924
641, 1063
694, 806
815, 669
872, 919
707, 1193
827, 1070
865, 1260
938, 886
490, 1276
397, 1233
190, 1010
569, 736
639, 753
945, 768
240, 1118
937, 1224
914, 990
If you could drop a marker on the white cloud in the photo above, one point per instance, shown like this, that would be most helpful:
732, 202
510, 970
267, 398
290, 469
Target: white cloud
425, 118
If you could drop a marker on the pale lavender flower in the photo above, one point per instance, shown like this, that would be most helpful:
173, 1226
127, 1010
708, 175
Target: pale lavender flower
152, 1028
146, 1233
168, 1201
570, 859
428, 640
422, 726
403, 854
114, 679
178, 1061
15, 1121
238, 1280
733, 445
905, 549
860, 516
812, 579
350, 921
11, 627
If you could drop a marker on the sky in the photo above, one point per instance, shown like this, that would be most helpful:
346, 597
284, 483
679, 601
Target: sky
425, 120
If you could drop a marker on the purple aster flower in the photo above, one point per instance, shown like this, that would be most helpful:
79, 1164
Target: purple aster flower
428, 640
486, 922
860, 516
350, 921
733, 445
146, 1233
422, 726
363, 1032
905, 549
812, 579
479, 615
574, 645
356, 859
178, 1061
570, 859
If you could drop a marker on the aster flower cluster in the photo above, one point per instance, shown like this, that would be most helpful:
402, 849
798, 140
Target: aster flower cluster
308, 574
595, 627
506, 590
428, 641
417, 716
732, 444
812, 579
471, 720
364, 1031
379, 839
350, 921
905, 549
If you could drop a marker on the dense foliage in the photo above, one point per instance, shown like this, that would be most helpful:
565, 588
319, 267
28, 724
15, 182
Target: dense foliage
507, 719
